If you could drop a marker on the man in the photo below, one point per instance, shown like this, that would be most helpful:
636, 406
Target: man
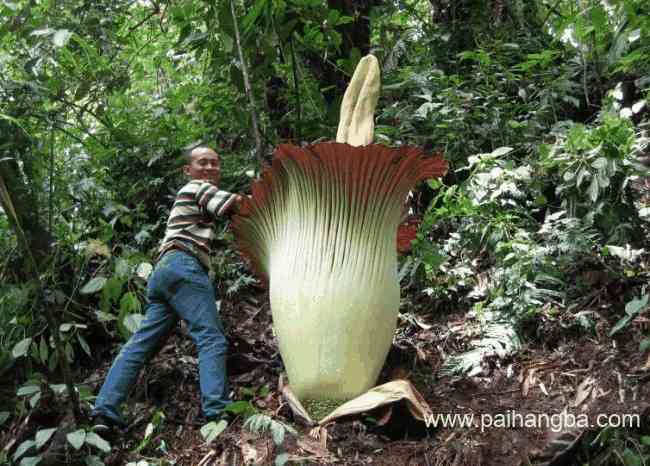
179, 287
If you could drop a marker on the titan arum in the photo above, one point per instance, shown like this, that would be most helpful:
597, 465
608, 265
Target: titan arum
320, 228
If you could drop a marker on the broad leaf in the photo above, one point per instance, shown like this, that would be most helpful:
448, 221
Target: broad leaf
93, 286
620, 324
281, 459
643, 347
61, 37
636, 305
21, 348
76, 438
96, 441
499, 151
212, 430
133, 321
30, 460
43, 435
23, 448
26, 390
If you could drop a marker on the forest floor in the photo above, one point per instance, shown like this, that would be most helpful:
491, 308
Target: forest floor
570, 370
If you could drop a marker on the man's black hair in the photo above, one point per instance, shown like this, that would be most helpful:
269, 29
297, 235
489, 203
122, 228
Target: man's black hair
187, 151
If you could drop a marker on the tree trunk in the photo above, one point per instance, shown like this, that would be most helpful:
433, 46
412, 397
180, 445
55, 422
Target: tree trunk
23, 193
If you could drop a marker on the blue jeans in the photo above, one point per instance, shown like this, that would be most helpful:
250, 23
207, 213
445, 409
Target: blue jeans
178, 287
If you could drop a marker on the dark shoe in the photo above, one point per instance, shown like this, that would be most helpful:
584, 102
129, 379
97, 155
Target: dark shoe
103, 425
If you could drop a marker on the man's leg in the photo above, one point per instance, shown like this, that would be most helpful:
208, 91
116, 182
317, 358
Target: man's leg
195, 303
158, 321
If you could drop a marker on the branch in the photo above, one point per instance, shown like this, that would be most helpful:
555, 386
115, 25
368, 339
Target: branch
552, 9
155, 11
106, 123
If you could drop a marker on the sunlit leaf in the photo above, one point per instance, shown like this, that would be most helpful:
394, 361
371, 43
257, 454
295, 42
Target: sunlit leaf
96, 441
76, 438
61, 37
94, 285
212, 430
21, 348
43, 435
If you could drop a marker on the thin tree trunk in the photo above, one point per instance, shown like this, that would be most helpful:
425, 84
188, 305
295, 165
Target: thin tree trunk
259, 148
36, 234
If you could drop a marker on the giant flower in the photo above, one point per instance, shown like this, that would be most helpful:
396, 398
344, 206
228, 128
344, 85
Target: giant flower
320, 228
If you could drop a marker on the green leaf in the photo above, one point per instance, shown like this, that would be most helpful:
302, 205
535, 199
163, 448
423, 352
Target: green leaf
122, 268
239, 407
643, 347
500, 151
281, 459
104, 316
599, 163
228, 42
33, 401
129, 303
53, 361
42, 32
225, 18
76, 438
599, 19
568, 175
61, 37
634, 306
58, 388
132, 322
96, 441
21, 348
144, 270
65, 327
619, 325
94, 460
30, 460
277, 433
43, 435
23, 448
93, 286
43, 351
112, 291
11, 5
212, 430
237, 78
84, 345
149, 430
4, 415
253, 14
593, 189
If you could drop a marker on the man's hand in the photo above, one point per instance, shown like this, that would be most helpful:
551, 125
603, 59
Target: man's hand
233, 205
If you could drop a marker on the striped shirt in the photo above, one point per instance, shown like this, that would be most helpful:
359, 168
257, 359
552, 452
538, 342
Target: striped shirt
189, 226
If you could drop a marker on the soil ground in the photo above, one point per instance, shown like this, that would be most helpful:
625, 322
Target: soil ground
579, 373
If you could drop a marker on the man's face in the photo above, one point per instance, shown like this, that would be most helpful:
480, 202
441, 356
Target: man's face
205, 165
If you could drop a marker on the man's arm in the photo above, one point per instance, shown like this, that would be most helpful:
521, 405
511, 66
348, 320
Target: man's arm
214, 201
